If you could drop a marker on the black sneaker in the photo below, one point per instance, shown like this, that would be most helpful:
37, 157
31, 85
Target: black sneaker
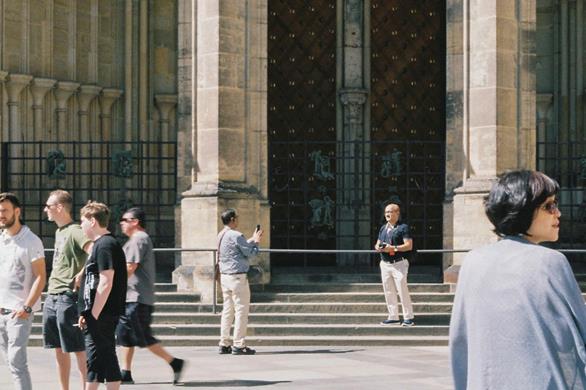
224, 350
243, 351
408, 323
126, 377
390, 322
177, 365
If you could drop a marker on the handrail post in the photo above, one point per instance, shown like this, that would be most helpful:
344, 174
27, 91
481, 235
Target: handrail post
214, 282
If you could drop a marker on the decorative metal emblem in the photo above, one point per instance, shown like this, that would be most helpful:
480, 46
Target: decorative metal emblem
322, 210
56, 165
122, 164
321, 165
391, 165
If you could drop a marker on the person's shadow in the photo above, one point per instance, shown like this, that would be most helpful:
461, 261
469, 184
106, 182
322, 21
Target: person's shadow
308, 351
230, 383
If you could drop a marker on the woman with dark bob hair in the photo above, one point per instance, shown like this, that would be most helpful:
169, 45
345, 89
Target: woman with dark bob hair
519, 319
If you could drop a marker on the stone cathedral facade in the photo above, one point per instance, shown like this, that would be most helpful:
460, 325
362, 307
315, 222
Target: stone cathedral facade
306, 116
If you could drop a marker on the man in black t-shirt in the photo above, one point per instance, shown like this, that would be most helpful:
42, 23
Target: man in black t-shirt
103, 298
394, 243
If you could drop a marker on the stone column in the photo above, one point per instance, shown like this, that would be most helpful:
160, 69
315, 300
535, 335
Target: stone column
65, 89
107, 99
226, 173
164, 104
4, 135
15, 85
492, 112
353, 130
87, 94
39, 89
544, 104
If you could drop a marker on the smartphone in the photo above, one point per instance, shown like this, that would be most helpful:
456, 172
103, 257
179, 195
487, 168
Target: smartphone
257, 228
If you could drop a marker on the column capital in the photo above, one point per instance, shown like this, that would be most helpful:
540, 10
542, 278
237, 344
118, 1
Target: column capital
3, 75
165, 102
544, 102
39, 89
353, 100
16, 83
87, 93
107, 98
63, 92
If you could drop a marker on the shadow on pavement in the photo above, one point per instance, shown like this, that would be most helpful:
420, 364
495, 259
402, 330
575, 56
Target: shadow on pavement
309, 351
231, 383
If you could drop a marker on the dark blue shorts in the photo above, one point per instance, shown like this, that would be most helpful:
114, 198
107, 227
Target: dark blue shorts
59, 316
134, 327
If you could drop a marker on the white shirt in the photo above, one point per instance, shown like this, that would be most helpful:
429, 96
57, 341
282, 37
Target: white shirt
17, 253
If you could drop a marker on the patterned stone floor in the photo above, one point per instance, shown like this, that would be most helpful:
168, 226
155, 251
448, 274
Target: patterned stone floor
274, 368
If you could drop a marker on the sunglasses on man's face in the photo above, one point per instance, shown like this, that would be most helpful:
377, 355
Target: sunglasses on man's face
127, 219
551, 207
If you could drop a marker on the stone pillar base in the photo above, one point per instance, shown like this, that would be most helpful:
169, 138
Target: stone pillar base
471, 227
200, 223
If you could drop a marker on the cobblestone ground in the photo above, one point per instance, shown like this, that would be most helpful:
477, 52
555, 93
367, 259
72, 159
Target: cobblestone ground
420, 368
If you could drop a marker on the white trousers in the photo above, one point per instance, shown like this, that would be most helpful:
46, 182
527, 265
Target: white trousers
394, 277
236, 294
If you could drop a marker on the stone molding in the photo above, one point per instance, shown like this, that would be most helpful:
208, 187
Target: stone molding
107, 99
353, 101
87, 93
16, 83
39, 89
64, 90
165, 102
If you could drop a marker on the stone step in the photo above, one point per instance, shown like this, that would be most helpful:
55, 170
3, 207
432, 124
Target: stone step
295, 330
313, 307
289, 318
165, 287
346, 297
347, 287
260, 341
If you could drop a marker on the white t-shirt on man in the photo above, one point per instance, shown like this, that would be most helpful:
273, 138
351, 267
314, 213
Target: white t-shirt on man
17, 253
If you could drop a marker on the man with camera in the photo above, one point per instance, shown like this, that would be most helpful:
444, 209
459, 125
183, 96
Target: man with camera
234, 252
394, 243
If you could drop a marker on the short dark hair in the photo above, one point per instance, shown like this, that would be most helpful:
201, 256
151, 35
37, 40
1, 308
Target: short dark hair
10, 197
513, 199
228, 215
138, 214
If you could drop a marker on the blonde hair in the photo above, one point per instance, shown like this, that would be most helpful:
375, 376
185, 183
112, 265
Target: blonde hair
64, 198
99, 211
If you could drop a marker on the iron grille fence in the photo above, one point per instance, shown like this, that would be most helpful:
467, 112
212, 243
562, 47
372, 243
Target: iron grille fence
119, 174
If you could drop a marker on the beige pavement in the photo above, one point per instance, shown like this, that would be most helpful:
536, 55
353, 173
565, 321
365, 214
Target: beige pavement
337, 368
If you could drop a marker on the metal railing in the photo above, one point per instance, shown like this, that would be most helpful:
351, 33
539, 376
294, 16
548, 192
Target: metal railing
214, 251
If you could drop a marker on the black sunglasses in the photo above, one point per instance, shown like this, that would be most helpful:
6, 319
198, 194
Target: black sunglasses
127, 219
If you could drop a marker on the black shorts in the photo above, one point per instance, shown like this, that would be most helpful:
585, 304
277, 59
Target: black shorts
59, 317
134, 328
100, 347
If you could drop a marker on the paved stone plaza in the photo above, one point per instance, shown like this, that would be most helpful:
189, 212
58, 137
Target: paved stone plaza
421, 368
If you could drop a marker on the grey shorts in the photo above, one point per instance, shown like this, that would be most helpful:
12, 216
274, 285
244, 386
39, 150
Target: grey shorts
60, 313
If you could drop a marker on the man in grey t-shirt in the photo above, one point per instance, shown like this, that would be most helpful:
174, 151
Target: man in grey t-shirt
134, 328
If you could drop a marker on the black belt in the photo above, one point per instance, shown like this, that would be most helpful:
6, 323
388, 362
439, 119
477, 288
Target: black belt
66, 292
4, 311
394, 261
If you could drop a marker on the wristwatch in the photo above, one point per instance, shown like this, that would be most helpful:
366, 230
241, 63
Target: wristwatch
27, 309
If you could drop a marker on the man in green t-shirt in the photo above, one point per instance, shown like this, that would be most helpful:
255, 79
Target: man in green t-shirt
60, 311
